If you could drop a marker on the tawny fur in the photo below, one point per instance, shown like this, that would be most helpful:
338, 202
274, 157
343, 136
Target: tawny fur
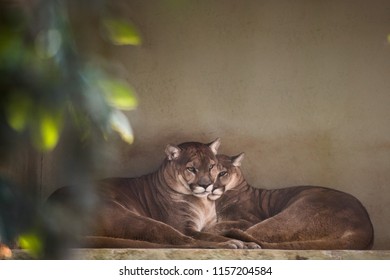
167, 208
301, 217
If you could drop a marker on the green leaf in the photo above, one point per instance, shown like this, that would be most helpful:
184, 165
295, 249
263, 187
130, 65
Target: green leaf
121, 32
18, 110
118, 94
120, 124
48, 128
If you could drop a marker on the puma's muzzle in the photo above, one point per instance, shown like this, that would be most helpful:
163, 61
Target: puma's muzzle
201, 191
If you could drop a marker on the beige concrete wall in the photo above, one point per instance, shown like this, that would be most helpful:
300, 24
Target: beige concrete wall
302, 87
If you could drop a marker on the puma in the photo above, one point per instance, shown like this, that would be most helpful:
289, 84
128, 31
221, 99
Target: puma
301, 217
167, 208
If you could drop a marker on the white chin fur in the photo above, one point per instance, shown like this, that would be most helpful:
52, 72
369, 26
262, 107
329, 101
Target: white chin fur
218, 191
213, 196
204, 194
201, 192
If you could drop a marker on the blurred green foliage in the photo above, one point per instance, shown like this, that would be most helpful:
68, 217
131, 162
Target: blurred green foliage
42, 72
48, 85
121, 32
31, 242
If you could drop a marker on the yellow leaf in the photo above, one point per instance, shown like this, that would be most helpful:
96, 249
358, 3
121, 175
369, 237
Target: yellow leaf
121, 32
119, 94
120, 124
47, 132
30, 242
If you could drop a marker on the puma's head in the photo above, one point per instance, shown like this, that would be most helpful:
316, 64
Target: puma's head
191, 167
229, 175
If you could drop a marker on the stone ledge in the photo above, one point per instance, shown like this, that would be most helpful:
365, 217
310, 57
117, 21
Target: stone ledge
217, 254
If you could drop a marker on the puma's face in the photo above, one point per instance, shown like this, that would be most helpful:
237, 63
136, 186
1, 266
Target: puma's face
229, 175
193, 167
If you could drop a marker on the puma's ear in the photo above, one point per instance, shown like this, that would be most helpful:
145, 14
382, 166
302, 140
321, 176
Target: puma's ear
215, 145
172, 152
236, 160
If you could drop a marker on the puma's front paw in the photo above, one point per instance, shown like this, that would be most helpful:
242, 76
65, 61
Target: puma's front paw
232, 244
252, 245
238, 244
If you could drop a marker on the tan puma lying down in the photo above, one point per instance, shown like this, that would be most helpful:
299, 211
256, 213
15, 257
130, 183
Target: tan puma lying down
167, 208
303, 217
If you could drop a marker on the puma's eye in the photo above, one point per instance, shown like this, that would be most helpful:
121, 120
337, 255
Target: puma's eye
191, 169
223, 173
211, 166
